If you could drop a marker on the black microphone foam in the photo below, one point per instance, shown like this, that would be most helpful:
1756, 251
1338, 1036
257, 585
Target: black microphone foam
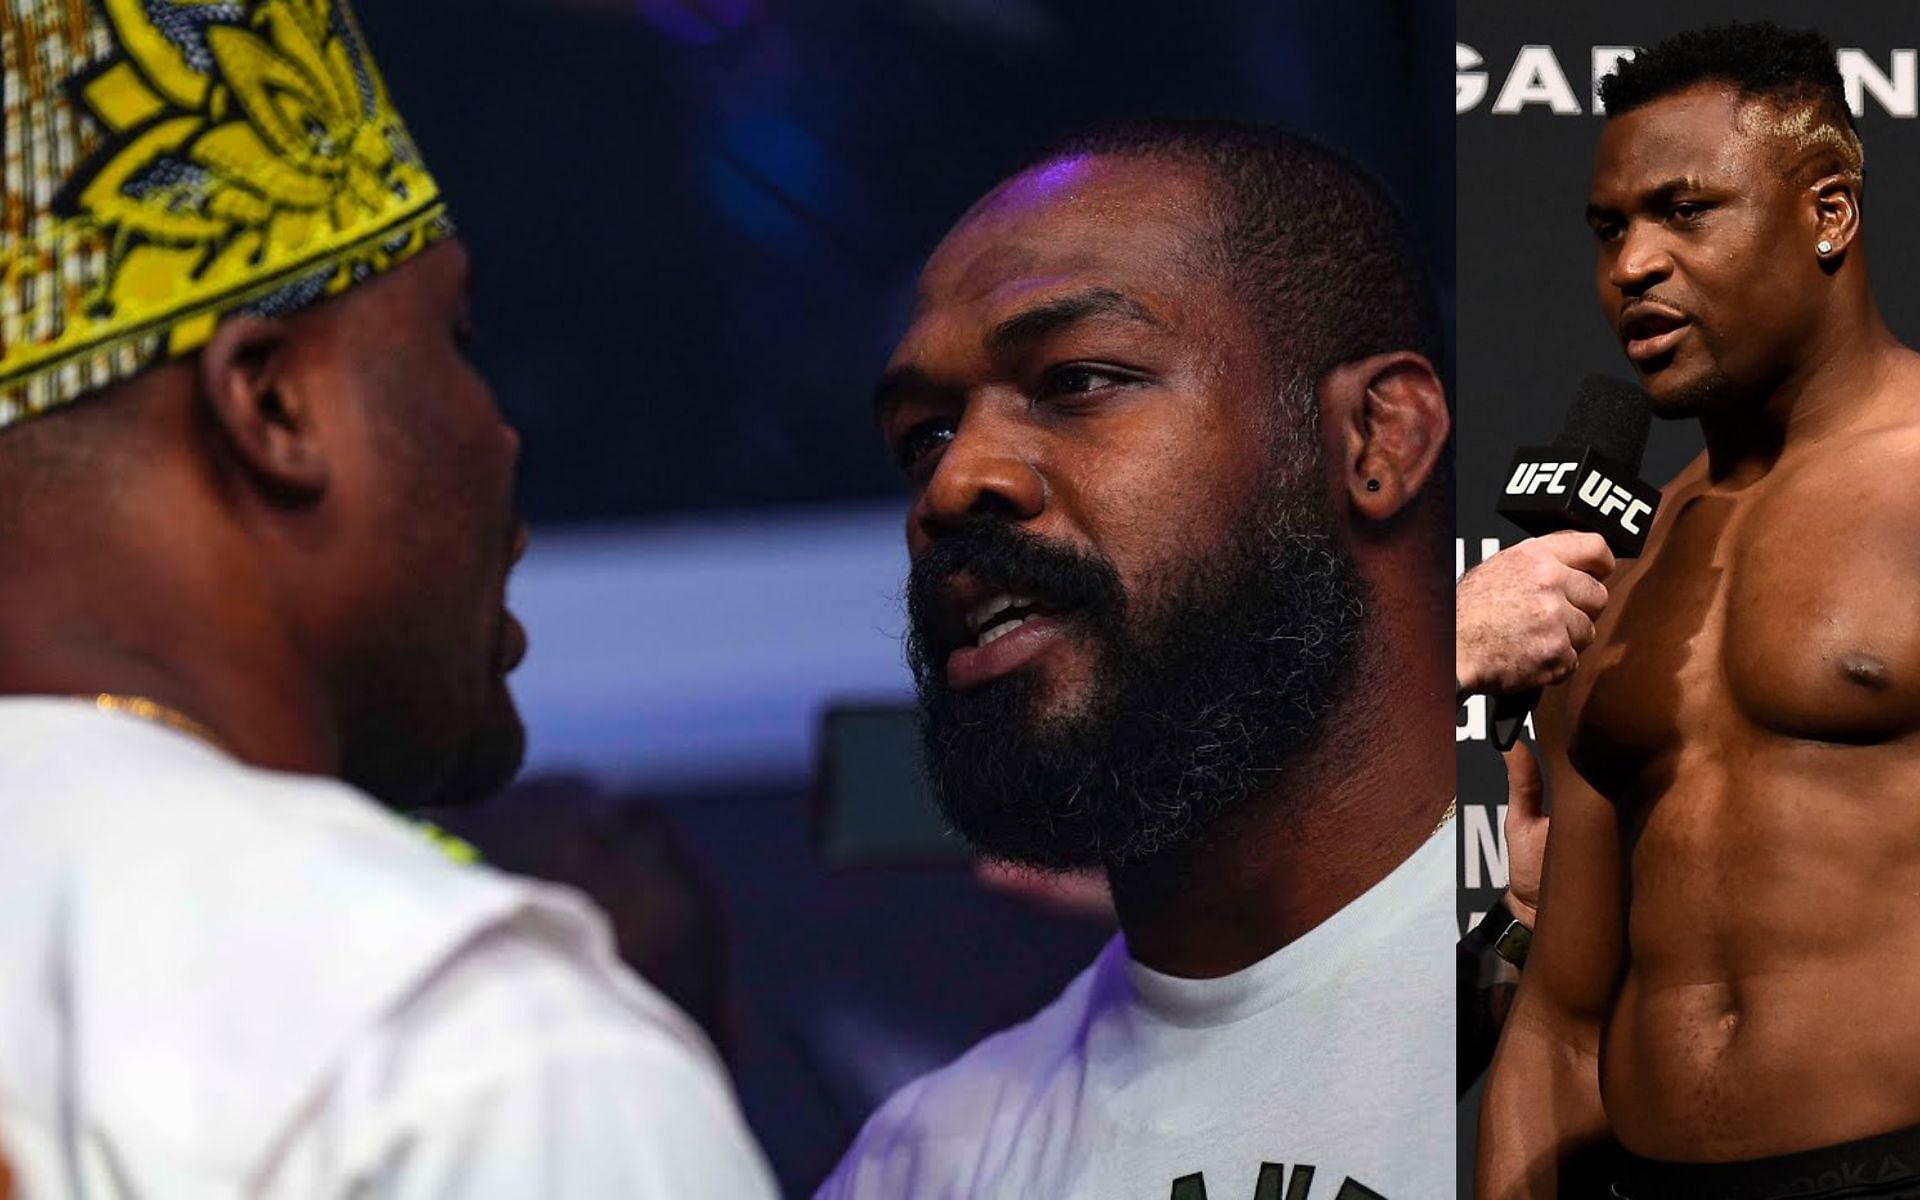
1586, 480
1612, 417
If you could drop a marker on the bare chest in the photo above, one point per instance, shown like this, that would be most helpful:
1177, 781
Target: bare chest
1780, 612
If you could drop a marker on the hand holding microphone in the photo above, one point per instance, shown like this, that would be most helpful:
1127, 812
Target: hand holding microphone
1585, 483
1522, 617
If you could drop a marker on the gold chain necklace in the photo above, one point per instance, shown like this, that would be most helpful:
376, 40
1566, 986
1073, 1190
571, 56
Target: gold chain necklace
456, 849
1453, 803
155, 712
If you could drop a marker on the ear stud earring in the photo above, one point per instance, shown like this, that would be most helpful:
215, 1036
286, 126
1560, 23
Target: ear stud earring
1825, 246
1373, 485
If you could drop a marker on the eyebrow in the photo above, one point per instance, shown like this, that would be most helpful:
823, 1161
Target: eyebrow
1664, 190
1025, 328
1021, 329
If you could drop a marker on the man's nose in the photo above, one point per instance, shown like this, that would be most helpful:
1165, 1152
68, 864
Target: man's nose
1643, 259
986, 468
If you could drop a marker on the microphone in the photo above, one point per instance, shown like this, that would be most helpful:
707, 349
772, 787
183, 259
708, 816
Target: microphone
1588, 479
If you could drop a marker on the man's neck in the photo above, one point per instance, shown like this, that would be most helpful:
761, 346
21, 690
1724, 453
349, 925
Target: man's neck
1843, 371
129, 572
1367, 793
231, 682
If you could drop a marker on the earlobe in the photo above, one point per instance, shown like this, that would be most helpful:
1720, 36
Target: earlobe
261, 408
1395, 427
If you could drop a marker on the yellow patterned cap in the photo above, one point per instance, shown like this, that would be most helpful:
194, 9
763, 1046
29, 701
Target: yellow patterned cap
171, 162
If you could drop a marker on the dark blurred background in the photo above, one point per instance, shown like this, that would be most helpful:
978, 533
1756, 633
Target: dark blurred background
696, 227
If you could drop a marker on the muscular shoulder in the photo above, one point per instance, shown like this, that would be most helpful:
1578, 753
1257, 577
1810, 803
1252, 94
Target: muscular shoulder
1851, 494
1873, 447
929, 1134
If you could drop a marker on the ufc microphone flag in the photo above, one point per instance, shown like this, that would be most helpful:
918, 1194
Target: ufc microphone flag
1561, 487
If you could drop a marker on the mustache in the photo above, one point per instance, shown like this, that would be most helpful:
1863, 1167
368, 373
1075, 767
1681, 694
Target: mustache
1000, 556
1656, 300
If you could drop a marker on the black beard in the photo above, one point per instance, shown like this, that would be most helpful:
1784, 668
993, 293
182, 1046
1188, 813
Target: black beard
1196, 705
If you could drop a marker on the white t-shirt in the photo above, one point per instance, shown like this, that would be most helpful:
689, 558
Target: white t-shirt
1327, 1067
218, 982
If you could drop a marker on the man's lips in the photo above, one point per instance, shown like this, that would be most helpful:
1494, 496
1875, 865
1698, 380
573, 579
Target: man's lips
1650, 331
991, 631
971, 666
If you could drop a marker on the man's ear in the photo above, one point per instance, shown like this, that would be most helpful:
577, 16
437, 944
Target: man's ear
1836, 215
262, 407
1387, 421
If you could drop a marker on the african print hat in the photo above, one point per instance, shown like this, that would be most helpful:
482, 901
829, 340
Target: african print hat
171, 162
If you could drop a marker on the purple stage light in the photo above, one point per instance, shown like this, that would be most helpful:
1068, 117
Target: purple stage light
695, 22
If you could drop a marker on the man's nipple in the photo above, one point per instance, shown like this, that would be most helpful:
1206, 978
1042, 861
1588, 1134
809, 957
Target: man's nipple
1867, 670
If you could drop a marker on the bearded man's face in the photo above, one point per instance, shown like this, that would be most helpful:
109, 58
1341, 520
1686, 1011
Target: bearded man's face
1129, 607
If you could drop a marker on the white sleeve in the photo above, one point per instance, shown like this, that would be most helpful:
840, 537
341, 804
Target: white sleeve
522, 1071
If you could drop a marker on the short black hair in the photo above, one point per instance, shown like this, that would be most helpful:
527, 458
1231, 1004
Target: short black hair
1794, 68
1314, 244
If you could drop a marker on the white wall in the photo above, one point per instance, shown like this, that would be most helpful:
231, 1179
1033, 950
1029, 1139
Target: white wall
701, 652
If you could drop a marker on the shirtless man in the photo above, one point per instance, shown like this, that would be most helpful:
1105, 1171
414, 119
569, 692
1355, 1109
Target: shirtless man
1723, 978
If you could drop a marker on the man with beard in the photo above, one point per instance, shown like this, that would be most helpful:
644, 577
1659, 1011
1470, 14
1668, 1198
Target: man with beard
256, 520
1179, 599
1728, 942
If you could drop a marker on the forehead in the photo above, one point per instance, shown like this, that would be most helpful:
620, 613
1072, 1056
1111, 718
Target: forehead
1707, 133
1126, 224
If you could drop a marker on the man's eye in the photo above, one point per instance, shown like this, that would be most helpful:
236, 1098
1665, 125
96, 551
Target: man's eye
916, 447
1606, 231
1687, 210
1079, 380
